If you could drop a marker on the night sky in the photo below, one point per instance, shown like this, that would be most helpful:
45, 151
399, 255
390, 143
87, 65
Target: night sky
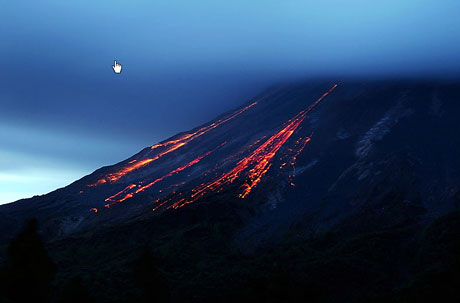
64, 113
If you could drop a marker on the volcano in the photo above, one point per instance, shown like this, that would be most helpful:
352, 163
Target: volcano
310, 154
336, 186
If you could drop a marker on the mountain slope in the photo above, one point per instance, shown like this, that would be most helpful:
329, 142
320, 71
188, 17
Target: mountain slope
306, 156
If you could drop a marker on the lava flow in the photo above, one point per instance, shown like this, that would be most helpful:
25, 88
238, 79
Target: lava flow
169, 146
258, 162
129, 191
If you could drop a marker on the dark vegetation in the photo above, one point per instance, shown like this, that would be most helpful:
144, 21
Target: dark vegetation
196, 261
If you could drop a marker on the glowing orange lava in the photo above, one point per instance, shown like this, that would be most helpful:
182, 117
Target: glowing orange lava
250, 170
129, 193
99, 182
301, 142
177, 170
258, 162
169, 146
126, 189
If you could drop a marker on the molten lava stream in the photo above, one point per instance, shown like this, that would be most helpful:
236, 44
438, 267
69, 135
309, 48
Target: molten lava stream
258, 162
129, 191
291, 156
169, 146
302, 142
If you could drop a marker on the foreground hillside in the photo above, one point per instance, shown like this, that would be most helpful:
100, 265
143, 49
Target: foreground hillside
194, 259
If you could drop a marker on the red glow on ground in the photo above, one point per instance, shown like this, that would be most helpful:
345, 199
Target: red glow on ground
126, 189
99, 182
251, 169
301, 142
129, 193
258, 162
169, 146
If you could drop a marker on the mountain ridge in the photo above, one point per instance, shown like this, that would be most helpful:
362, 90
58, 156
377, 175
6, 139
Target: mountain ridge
239, 149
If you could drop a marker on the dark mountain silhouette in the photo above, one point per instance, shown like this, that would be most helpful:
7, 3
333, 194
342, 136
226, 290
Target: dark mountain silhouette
335, 177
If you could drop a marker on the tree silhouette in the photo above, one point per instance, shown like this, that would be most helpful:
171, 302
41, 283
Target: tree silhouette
29, 269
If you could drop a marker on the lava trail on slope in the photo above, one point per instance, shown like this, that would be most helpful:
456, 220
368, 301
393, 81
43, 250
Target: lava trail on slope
133, 189
166, 148
249, 169
254, 166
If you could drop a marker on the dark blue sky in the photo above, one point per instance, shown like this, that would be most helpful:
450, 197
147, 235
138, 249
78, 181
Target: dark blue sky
64, 113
